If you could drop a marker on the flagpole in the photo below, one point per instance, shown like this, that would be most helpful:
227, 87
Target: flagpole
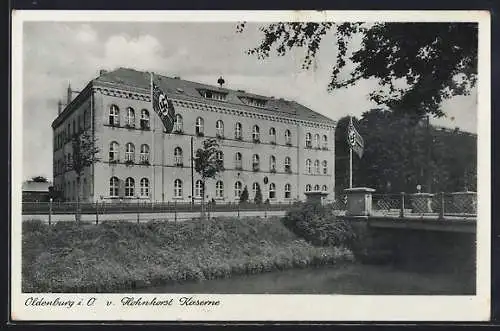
153, 180
350, 157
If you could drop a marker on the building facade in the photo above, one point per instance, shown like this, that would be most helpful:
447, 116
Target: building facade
278, 145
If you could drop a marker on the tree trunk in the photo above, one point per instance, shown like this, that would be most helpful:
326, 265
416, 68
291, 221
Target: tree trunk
203, 200
78, 213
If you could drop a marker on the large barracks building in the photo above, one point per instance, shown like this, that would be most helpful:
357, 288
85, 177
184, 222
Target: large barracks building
280, 146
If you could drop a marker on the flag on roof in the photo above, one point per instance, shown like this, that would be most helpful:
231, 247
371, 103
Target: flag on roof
354, 139
164, 107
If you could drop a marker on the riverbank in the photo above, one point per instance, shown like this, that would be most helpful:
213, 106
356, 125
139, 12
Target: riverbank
115, 256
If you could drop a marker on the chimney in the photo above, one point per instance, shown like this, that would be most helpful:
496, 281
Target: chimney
102, 72
59, 107
69, 95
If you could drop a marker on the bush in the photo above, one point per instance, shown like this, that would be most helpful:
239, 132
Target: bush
318, 225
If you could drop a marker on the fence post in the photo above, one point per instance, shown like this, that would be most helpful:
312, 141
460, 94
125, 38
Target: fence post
238, 210
50, 210
138, 208
441, 201
402, 210
97, 212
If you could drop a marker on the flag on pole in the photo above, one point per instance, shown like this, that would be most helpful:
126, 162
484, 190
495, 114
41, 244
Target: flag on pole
354, 139
164, 107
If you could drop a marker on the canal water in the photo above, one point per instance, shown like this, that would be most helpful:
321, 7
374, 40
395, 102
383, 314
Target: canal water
346, 279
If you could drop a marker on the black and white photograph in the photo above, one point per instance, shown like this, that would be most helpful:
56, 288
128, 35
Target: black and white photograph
247, 166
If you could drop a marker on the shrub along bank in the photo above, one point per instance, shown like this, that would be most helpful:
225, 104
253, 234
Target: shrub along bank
114, 256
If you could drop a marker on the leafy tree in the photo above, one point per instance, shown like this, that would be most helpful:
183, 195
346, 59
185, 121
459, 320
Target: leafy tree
207, 164
85, 152
417, 65
244, 195
39, 179
258, 196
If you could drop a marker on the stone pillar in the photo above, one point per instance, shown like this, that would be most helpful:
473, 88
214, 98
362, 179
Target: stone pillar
359, 201
421, 203
465, 202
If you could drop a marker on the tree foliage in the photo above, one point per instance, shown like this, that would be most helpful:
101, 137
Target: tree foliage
244, 195
258, 195
417, 65
401, 153
39, 179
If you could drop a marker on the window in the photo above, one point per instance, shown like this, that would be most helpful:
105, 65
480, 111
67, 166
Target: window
288, 167
308, 140
178, 123
199, 126
316, 166
144, 153
219, 189
219, 127
325, 142
220, 156
325, 167
114, 113
256, 133
272, 135
214, 95
85, 119
113, 152
144, 187
69, 132
254, 101
272, 163
129, 152
198, 189
129, 187
272, 191
237, 131
130, 117
316, 187
237, 189
288, 138
316, 141
308, 166
178, 188
178, 157
255, 162
308, 188
113, 187
144, 119
324, 188
74, 127
288, 191
255, 188
80, 123
238, 162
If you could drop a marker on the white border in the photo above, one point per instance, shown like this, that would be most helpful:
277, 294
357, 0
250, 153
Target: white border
267, 307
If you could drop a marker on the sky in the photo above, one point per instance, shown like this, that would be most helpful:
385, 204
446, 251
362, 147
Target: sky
56, 54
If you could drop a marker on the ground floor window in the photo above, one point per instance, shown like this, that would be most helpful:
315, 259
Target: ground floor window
198, 189
272, 191
237, 189
288, 191
113, 187
129, 187
219, 189
178, 188
144, 187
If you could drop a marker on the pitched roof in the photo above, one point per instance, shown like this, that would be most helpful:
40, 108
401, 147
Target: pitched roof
192, 91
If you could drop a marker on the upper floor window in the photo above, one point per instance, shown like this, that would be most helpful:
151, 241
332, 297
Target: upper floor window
288, 191
129, 187
219, 189
114, 115
256, 133
316, 141
144, 119
316, 166
178, 156
219, 127
254, 101
316, 187
237, 189
272, 135
288, 137
255, 188
144, 187
308, 140
198, 189
238, 162
324, 188
255, 162
220, 156
178, 123
178, 188
288, 167
113, 151
325, 142
325, 167
144, 153
113, 186
308, 188
272, 191
308, 166
199, 126
272, 163
238, 131
130, 117
129, 152
221, 96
